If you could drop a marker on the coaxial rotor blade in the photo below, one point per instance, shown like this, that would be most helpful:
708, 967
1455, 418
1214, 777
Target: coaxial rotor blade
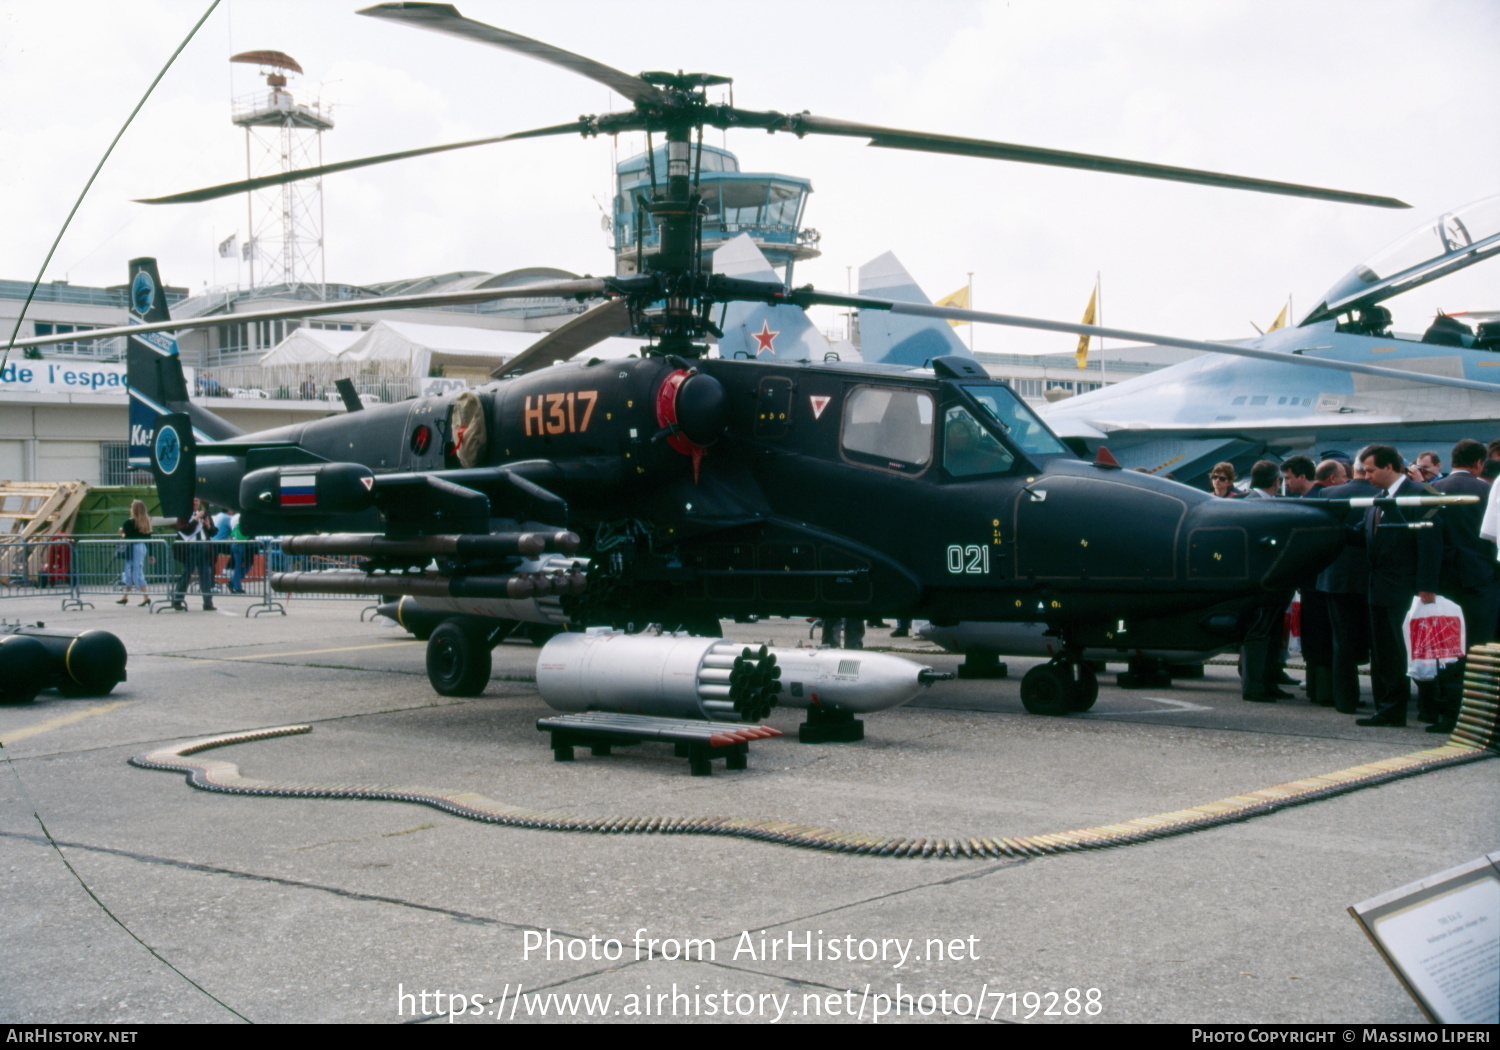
591, 326
806, 297
228, 189
444, 18
582, 288
894, 138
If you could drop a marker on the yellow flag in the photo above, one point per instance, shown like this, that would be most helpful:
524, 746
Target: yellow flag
1280, 321
959, 299
1082, 354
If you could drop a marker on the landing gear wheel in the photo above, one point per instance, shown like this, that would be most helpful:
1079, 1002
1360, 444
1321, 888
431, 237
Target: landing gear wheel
1047, 690
1085, 691
458, 659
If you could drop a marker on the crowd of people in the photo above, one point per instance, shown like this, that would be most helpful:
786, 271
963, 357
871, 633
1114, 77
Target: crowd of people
197, 543
1396, 559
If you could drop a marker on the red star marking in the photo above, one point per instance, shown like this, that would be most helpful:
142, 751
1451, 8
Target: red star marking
765, 339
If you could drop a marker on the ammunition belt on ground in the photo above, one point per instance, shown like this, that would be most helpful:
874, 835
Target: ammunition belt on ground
1475, 737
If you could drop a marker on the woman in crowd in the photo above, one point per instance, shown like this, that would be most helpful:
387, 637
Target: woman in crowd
134, 532
1222, 478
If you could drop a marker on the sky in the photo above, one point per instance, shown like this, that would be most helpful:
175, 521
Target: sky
1394, 98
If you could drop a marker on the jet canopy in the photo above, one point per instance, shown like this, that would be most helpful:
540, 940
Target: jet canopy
1448, 243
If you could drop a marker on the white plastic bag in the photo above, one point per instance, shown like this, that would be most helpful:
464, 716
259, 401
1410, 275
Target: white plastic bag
1434, 636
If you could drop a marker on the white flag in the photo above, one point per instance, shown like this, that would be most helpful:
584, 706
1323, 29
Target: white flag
248, 251
227, 247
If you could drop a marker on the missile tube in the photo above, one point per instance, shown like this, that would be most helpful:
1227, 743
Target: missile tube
500, 544
537, 609
530, 594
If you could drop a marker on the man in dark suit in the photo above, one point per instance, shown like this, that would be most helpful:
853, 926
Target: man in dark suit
1302, 479
1469, 575
1346, 586
1403, 562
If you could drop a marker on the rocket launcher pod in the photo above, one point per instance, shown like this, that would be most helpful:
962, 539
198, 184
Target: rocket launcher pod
668, 676
674, 676
36, 658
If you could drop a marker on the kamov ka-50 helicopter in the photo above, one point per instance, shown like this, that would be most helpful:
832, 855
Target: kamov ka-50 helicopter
678, 488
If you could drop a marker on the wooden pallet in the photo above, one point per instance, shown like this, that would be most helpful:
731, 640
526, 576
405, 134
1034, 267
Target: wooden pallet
32, 512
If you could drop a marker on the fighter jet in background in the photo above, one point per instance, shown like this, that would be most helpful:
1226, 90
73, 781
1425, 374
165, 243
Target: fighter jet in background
1305, 389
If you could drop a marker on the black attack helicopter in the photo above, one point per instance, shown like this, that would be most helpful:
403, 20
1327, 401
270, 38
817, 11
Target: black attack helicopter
678, 488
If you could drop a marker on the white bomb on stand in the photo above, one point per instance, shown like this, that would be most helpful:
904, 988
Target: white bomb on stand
676, 676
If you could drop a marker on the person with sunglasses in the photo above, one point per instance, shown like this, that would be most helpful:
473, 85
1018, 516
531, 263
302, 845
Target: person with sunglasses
1222, 479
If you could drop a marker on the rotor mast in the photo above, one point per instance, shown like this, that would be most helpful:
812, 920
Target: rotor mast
677, 211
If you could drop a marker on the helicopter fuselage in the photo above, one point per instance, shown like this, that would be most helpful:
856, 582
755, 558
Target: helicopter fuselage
714, 488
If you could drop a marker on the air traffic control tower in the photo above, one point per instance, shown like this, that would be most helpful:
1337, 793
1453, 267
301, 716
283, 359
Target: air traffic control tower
284, 243
767, 207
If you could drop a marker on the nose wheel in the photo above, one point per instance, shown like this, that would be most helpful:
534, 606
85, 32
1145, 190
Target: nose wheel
458, 658
1059, 687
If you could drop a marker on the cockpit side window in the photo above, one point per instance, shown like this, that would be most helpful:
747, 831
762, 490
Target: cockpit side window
888, 427
1016, 420
969, 449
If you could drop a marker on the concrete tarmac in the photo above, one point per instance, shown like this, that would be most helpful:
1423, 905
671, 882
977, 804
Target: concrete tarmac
133, 898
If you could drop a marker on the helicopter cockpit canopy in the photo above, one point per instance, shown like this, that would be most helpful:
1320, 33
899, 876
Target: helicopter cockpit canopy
1451, 242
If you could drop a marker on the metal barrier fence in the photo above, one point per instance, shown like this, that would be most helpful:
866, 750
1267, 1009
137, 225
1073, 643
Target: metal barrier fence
32, 568
162, 573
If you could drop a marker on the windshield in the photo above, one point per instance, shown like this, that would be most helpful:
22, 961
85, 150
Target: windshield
1449, 242
1016, 421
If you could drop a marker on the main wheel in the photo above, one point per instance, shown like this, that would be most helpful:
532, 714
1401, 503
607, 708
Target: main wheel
458, 659
1085, 690
1046, 690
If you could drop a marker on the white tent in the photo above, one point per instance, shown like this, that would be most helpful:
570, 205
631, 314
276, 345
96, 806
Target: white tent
422, 347
313, 346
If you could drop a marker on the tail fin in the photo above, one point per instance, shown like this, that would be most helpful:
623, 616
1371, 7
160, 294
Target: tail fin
759, 330
158, 390
154, 371
899, 339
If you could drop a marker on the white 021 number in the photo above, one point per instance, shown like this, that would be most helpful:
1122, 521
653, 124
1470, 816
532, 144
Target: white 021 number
968, 559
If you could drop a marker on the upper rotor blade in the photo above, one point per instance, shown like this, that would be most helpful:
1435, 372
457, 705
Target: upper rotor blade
580, 333
893, 138
811, 297
245, 185
444, 18
584, 287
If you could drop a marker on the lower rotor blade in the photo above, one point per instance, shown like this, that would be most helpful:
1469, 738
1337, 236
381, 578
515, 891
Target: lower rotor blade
894, 138
582, 288
811, 297
245, 185
599, 322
